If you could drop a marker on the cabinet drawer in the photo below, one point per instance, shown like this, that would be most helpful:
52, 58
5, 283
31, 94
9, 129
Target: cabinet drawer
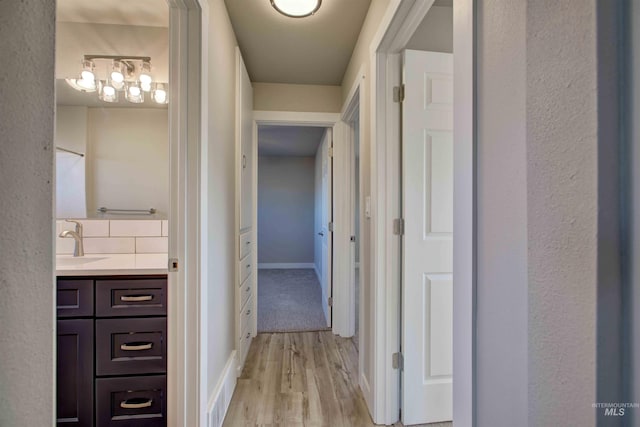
131, 297
131, 346
245, 291
245, 245
74, 298
131, 402
246, 317
244, 269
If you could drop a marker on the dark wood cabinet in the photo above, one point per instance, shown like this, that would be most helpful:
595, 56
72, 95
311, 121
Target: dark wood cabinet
111, 347
75, 372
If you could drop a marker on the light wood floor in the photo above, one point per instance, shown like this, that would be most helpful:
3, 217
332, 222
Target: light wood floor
300, 379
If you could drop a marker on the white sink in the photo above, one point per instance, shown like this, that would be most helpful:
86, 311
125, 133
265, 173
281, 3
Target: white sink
71, 261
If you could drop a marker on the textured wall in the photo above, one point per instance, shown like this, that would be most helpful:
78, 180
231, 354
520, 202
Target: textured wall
562, 181
502, 215
286, 209
27, 35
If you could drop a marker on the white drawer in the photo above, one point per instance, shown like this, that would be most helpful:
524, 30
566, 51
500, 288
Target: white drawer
245, 291
244, 269
246, 316
245, 244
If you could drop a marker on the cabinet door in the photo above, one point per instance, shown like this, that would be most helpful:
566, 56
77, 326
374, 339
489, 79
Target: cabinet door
244, 123
75, 373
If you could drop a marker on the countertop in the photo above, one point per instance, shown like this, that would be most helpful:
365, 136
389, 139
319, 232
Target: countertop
111, 264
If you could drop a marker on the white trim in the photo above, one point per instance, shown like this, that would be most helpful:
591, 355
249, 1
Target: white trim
315, 268
464, 214
295, 118
184, 315
220, 398
285, 265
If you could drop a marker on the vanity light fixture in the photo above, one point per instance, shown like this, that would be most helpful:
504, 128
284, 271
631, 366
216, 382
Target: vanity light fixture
296, 8
131, 74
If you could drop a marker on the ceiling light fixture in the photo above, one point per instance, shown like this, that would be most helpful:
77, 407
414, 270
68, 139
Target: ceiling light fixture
131, 74
296, 8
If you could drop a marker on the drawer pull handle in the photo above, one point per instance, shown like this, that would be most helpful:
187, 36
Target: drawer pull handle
248, 288
248, 334
248, 243
136, 346
248, 312
135, 403
248, 265
136, 298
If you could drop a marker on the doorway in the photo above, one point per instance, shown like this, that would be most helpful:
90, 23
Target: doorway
293, 214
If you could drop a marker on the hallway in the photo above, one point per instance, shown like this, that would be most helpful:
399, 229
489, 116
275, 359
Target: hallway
300, 379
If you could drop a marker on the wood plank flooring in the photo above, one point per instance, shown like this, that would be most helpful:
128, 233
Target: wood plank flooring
300, 379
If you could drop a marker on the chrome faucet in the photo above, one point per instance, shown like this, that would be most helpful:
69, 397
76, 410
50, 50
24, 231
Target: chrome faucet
77, 236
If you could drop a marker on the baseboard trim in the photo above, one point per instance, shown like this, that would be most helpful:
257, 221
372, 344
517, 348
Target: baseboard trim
222, 393
285, 265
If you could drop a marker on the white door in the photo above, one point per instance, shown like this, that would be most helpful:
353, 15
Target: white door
427, 294
327, 217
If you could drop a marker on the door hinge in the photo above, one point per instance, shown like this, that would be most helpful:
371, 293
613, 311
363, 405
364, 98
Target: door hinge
398, 93
331, 227
398, 227
173, 264
352, 238
330, 301
330, 151
397, 361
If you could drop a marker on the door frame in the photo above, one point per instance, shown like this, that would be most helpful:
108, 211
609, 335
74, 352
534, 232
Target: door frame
186, 321
353, 104
400, 21
342, 230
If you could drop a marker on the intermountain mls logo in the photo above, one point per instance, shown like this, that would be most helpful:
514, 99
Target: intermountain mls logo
617, 409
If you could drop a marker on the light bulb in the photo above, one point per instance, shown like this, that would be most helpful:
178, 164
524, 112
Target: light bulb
134, 94
87, 71
160, 94
117, 74
145, 86
145, 73
107, 92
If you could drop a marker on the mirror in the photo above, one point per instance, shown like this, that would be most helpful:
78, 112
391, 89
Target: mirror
112, 155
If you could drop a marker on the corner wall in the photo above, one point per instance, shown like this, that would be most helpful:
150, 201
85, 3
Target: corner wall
27, 357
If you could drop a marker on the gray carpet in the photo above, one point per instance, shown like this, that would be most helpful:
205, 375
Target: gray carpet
289, 300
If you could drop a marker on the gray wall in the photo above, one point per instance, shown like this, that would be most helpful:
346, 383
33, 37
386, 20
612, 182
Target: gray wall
548, 288
285, 209
502, 215
632, 265
27, 35
435, 32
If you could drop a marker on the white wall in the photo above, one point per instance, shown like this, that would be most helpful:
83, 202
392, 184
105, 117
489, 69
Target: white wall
128, 159
435, 32
286, 209
220, 200
27, 311
292, 97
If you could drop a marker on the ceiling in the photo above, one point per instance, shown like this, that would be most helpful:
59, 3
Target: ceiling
312, 50
289, 141
151, 13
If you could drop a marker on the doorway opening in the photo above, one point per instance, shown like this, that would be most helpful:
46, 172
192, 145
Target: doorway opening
294, 211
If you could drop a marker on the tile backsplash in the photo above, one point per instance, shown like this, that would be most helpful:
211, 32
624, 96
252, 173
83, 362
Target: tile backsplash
116, 236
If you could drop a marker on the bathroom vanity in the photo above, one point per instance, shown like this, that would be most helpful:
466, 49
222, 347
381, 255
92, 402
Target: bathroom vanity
112, 341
